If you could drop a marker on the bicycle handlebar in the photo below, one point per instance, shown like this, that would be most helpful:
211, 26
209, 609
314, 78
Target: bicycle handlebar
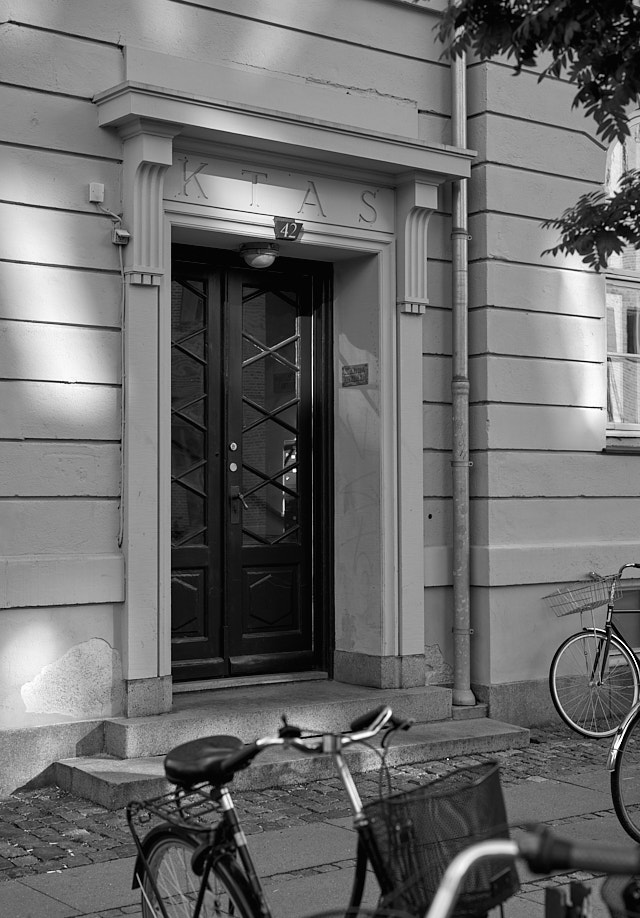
625, 566
366, 720
544, 853
362, 729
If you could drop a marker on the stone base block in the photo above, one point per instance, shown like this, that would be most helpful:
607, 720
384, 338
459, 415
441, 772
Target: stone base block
379, 672
523, 703
147, 696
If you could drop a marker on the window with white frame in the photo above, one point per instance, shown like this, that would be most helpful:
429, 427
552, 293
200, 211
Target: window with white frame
623, 309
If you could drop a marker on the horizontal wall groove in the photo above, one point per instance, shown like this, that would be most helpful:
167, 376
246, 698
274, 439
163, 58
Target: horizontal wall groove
314, 34
516, 450
50, 92
52, 441
106, 328
534, 358
528, 170
47, 264
36, 148
557, 127
496, 307
63, 496
53, 499
62, 382
61, 210
554, 497
492, 260
89, 39
526, 71
494, 403
514, 215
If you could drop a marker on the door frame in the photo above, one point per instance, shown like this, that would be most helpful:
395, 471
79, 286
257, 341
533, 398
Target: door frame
208, 259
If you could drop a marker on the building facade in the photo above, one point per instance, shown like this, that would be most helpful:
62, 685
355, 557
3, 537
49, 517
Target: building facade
217, 471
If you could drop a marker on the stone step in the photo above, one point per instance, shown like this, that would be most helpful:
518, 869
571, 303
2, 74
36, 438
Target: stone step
469, 712
250, 711
112, 782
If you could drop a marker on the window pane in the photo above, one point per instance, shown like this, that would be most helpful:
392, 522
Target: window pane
621, 158
623, 357
623, 379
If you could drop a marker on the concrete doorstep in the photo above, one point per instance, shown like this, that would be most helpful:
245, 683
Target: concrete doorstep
112, 782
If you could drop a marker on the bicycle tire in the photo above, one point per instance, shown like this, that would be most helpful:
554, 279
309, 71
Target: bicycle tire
594, 710
169, 863
625, 779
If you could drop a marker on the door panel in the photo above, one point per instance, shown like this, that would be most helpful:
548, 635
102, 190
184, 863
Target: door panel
268, 418
193, 499
246, 485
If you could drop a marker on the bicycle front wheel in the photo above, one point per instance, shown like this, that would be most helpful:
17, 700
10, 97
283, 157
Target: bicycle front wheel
593, 695
169, 865
625, 780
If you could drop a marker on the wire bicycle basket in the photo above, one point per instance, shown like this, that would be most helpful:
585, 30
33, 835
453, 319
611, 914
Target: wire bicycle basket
419, 832
584, 596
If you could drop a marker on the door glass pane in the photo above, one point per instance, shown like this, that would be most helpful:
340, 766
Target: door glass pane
270, 397
623, 353
188, 414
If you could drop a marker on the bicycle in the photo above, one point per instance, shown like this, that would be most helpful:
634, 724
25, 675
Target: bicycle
194, 859
594, 677
624, 765
544, 853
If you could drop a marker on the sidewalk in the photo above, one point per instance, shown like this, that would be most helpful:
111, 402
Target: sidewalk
61, 856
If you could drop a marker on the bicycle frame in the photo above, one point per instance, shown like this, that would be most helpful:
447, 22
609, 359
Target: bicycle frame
602, 655
608, 629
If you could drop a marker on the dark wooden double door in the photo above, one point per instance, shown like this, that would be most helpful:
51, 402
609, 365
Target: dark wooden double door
249, 480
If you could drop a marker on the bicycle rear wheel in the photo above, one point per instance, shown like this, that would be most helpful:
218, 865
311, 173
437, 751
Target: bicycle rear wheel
169, 864
625, 780
591, 698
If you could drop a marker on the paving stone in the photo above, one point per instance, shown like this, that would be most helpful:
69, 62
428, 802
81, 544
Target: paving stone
80, 832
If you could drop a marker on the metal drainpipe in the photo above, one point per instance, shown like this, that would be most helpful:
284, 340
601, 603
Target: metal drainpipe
462, 694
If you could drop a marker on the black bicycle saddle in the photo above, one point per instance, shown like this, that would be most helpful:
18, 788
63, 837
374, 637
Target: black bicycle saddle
199, 760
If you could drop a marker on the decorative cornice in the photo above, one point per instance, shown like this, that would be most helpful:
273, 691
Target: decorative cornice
249, 125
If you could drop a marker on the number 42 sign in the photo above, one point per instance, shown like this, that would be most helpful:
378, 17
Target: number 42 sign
287, 229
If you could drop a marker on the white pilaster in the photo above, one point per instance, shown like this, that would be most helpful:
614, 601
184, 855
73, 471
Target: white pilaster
147, 156
415, 202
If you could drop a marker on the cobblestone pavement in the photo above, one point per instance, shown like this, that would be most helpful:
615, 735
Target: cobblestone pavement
50, 830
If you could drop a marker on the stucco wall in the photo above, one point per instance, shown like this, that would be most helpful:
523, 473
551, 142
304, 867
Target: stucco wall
61, 568
61, 565
547, 504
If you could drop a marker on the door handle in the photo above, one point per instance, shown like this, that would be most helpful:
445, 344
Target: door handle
236, 494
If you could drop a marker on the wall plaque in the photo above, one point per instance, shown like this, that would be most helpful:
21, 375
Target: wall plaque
356, 374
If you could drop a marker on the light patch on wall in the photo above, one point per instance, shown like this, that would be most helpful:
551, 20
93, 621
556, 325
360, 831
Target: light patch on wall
438, 671
85, 682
